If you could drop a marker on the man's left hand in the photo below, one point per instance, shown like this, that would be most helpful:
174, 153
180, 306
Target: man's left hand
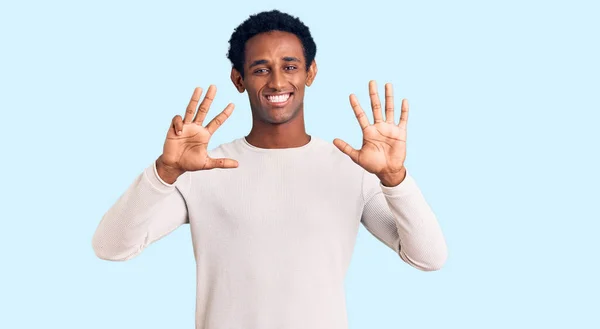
384, 143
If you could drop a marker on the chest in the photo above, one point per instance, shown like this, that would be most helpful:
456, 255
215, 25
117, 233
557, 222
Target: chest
279, 206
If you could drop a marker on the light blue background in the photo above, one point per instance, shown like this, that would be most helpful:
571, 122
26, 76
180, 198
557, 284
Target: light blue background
502, 141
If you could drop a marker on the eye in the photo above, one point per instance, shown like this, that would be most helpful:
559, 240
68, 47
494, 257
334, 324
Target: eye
290, 67
259, 71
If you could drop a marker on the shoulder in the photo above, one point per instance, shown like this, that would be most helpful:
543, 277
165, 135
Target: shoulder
344, 165
329, 154
326, 149
226, 149
347, 175
230, 149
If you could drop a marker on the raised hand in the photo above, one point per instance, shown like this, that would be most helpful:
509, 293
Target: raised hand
185, 147
384, 143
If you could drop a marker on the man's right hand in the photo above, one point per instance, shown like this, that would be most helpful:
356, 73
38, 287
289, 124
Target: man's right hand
187, 140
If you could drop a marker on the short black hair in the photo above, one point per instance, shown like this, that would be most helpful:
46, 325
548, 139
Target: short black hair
267, 21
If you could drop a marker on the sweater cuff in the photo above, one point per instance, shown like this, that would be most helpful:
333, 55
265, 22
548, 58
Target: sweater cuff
407, 187
152, 176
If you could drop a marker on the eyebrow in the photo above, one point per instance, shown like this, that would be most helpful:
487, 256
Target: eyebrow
259, 62
291, 59
264, 61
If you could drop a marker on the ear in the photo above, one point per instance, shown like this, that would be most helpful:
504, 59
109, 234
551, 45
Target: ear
312, 73
237, 80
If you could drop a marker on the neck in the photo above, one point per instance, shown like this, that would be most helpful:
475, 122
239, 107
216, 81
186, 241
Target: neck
274, 136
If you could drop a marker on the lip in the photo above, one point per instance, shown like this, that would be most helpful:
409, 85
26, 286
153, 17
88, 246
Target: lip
282, 104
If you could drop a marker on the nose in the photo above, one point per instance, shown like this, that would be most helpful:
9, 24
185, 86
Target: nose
277, 80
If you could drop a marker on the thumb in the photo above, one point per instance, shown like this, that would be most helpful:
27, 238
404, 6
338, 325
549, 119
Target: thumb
221, 163
346, 149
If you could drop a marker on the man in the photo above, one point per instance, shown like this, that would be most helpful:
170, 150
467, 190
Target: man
274, 215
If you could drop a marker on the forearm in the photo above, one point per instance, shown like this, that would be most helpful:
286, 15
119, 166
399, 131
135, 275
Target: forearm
422, 242
127, 227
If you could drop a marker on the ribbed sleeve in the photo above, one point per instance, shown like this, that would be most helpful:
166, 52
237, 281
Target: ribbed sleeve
146, 211
401, 218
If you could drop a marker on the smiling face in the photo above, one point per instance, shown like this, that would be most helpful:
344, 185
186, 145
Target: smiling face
275, 76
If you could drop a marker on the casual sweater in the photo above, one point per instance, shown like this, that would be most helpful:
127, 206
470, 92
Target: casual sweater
273, 238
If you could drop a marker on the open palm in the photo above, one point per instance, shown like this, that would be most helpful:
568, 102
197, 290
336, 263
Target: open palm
185, 147
383, 149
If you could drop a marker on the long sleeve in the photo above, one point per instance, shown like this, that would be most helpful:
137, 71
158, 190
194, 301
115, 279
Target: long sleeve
400, 217
148, 210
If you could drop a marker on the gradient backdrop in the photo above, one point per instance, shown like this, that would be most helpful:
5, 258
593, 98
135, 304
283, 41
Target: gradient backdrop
503, 141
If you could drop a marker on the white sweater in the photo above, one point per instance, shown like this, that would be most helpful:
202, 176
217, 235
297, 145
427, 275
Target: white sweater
273, 238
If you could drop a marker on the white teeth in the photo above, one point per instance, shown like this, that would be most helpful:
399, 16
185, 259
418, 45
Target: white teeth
278, 98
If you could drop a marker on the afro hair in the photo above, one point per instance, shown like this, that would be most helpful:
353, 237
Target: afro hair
267, 21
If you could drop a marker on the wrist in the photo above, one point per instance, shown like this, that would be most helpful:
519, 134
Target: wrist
167, 173
393, 179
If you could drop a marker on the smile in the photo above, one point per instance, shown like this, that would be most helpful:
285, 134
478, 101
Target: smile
279, 99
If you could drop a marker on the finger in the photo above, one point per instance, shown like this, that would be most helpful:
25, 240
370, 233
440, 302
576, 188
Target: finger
205, 105
177, 124
220, 119
389, 103
375, 103
363, 121
346, 149
191, 108
404, 114
221, 163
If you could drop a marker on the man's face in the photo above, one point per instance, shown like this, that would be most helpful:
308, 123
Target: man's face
275, 76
